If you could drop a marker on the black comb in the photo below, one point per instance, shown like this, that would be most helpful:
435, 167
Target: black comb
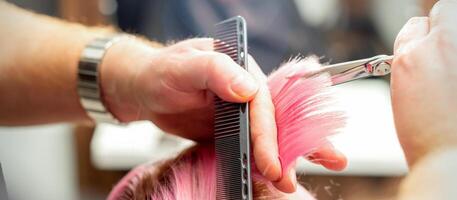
231, 124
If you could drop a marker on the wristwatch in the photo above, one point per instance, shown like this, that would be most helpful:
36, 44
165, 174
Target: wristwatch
89, 88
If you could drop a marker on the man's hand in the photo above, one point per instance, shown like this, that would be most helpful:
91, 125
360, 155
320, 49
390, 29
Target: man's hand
424, 82
174, 86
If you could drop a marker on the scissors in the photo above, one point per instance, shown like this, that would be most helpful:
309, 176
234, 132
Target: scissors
379, 65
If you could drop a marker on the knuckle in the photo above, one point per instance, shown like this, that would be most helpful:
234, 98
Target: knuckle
208, 62
183, 49
215, 60
404, 61
222, 58
410, 27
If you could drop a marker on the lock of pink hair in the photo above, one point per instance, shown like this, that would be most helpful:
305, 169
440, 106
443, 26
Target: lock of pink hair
303, 122
304, 118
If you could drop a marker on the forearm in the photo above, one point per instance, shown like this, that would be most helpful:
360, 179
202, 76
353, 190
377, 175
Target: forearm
433, 177
38, 67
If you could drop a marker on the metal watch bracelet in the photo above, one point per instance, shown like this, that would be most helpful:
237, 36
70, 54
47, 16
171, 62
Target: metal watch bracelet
89, 88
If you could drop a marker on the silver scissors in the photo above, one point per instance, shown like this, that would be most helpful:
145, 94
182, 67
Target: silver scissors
379, 65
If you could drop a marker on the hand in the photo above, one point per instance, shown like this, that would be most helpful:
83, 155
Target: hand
173, 87
424, 82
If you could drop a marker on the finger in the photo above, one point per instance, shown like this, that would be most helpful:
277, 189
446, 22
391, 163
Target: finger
216, 72
287, 184
203, 44
444, 14
329, 157
416, 28
263, 128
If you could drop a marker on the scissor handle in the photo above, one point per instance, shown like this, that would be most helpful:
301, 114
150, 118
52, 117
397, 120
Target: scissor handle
379, 65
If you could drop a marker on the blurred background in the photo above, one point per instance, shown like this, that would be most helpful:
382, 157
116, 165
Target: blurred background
67, 161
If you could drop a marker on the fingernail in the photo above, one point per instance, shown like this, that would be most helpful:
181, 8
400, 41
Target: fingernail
293, 178
273, 170
277, 163
244, 86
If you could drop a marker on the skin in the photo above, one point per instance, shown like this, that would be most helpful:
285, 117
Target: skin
437, 170
171, 86
424, 97
423, 82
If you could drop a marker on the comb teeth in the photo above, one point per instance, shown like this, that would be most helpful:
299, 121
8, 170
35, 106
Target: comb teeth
227, 119
230, 39
231, 124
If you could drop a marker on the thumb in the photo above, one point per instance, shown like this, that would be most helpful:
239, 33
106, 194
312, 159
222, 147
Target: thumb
202, 44
218, 73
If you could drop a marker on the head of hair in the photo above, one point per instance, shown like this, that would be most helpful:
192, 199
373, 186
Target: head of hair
303, 119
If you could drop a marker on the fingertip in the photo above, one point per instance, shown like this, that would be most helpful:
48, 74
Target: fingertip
244, 86
275, 173
329, 157
287, 184
342, 160
335, 160
268, 164
338, 164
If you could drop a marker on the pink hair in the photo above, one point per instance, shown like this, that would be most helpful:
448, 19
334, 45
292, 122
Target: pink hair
302, 110
303, 121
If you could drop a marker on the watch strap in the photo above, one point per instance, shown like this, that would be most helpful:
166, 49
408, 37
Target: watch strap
89, 87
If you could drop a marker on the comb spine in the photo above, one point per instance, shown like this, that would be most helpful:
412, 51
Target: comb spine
232, 138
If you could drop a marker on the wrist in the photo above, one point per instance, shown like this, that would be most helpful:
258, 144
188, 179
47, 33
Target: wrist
119, 68
437, 170
418, 145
